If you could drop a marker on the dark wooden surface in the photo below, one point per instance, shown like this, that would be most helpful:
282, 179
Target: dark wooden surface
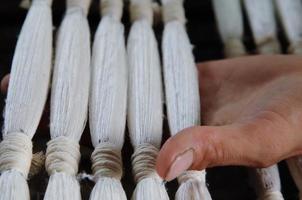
225, 183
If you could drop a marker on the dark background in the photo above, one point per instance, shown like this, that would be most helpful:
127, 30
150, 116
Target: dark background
225, 183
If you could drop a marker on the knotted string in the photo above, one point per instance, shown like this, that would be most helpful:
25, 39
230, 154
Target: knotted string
62, 155
141, 9
192, 175
16, 153
173, 10
112, 8
73, 5
107, 161
144, 161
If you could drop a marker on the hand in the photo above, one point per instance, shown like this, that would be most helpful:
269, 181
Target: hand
252, 111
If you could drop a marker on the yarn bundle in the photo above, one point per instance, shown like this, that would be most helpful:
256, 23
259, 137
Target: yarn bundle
145, 109
27, 93
181, 86
107, 104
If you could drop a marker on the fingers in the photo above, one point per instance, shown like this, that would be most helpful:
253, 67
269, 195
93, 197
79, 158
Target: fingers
206, 146
4, 84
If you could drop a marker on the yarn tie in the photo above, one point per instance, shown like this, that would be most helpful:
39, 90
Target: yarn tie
78, 4
107, 161
173, 10
268, 45
233, 47
143, 162
141, 9
112, 8
62, 155
295, 48
16, 153
192, 175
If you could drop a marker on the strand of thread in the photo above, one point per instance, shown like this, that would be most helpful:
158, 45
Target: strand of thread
234, 47
192, 175
295, 48
143, 162
112, 8
107, 161
141, 9
62, 155
173, 10
272, 195
16, 153
41, 2
78, 4
268, 45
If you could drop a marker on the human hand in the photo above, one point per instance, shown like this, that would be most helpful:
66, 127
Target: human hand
252, 112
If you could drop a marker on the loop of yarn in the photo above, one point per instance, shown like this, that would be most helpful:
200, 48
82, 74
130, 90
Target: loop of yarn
173, 10
62, 155
112, 8
143, 162
76, 4
192, 175
16, 153
107, 161
268, 45
234, 47
295, 48
141, 9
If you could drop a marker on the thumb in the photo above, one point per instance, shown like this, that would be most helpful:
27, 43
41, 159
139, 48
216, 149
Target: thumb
206, 146
4, 84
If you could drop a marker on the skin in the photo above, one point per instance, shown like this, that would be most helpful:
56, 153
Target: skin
251, 111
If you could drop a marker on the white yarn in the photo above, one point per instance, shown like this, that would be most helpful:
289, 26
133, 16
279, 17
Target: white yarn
290, 12
230, 26
26, 98
182, 94
69, 102
107, 106
263, 24
145, 109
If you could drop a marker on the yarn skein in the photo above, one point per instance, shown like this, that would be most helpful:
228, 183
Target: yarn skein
182, 93
229, 20
107, 104
69, 102
27, 93
145, 109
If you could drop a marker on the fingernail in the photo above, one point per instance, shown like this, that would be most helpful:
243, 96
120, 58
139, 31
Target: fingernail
181, 163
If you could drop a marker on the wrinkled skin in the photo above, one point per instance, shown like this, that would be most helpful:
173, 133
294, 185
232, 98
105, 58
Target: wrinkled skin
251, 111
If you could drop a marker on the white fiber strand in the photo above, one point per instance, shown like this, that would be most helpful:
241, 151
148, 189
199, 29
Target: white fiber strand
262, 21
27, 93
290, 14
182, 93
107, 104
229, 19
145, 109
69, 102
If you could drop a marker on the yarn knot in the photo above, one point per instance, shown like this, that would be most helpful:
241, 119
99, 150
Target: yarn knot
112, 8
234, 47
141, 9
16, 153
173, 10
192, 175
295, 48
143, 162
107, 161
62, 155
268, 45
78, 4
